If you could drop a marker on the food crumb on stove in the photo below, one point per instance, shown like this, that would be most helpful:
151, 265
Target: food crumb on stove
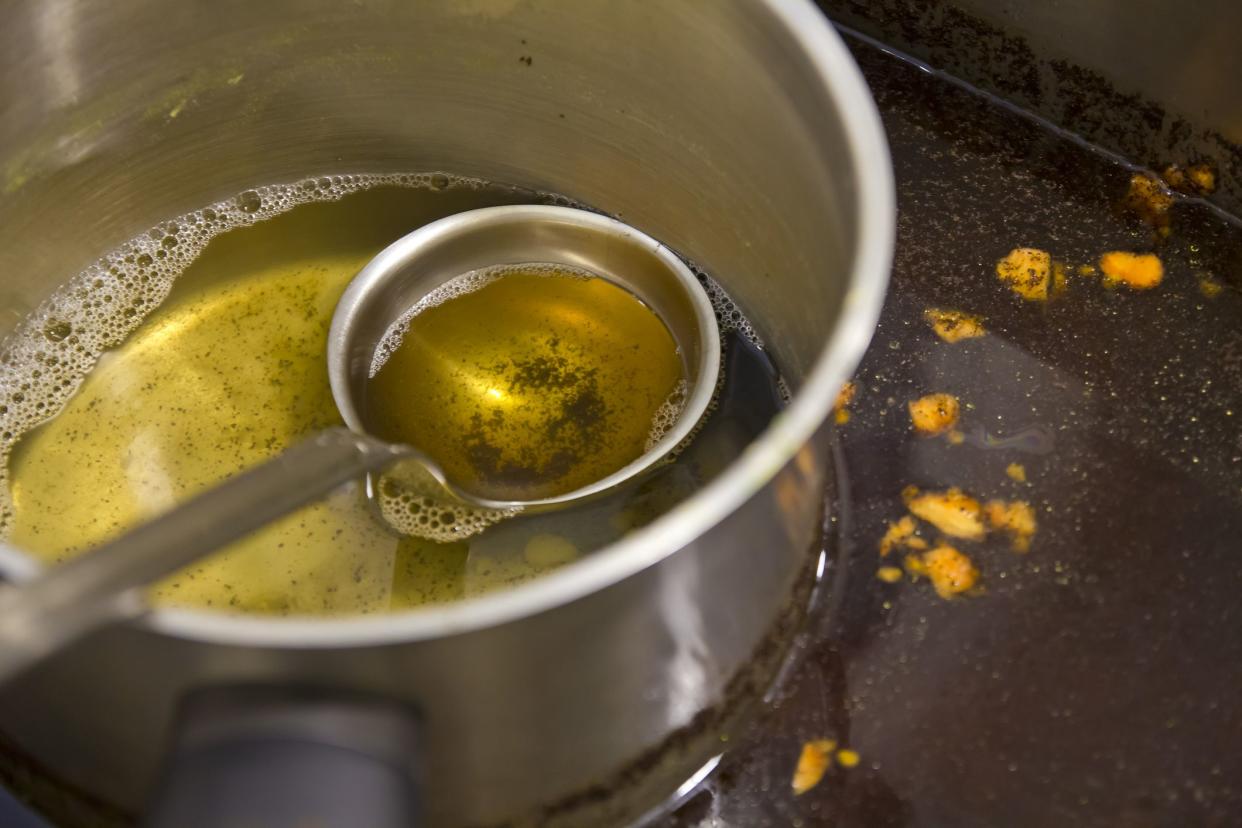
1197, 179
1016, 518
1203, 177
840, 409
1087, 270
954, 325
951, 573
1028, 272
815, 759
897, 532
956, 438
953, 512
901, 533
1149, 199
889, 574
847, 758
1140, 271
1060, 279
934, 413
1016, 471
1209, 287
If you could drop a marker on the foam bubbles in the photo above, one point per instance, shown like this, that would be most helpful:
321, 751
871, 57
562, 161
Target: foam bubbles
432, 518
667, 415
412, 502
783, 388
729, 316
46, 358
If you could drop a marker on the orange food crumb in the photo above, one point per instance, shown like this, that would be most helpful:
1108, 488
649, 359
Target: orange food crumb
1028, 272
888, 574
953, 512
1149, 198
848, 758
847, 393
897, 535
954, 325
1016, 518
1209, 287
815, 759
1175, 177
1140, 271
951, 573
845, 396
1059, 278
956, 438
1086, 270
1202, 177
1016, 471
934, 414
1197, 179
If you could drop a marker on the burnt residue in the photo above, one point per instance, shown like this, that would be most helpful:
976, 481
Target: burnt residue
1075, 98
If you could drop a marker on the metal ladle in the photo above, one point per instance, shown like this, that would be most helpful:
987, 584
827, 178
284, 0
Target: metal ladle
106, 584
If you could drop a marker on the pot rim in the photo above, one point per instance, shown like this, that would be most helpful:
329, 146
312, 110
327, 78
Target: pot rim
760, 461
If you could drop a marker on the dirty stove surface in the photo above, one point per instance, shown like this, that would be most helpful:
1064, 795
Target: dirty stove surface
1093, 680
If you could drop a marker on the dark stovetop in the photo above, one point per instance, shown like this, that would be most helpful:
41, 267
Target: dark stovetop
1096, 681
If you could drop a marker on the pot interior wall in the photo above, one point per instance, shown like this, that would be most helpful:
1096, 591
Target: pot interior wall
690, 121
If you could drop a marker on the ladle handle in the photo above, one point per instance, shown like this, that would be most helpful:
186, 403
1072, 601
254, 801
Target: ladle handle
105, 585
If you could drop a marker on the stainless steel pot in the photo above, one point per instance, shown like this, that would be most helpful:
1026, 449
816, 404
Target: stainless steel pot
737, 132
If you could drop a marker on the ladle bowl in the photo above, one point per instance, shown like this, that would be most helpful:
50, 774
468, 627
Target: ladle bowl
415, 265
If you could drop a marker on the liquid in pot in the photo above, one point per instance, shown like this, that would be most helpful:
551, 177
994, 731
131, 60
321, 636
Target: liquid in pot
168, 373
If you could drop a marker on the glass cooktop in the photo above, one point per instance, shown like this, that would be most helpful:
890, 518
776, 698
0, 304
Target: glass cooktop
1092, 679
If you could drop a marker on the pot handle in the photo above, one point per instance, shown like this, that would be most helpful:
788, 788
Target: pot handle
288, 758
